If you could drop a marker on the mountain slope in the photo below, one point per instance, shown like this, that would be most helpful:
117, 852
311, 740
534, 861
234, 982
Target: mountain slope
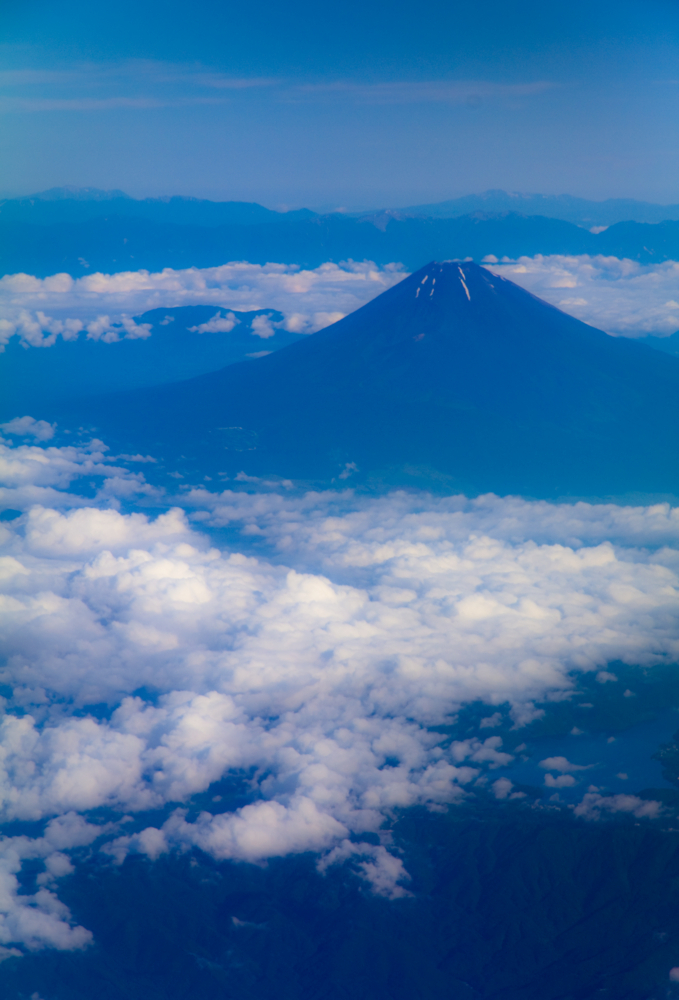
175, 350
454, 378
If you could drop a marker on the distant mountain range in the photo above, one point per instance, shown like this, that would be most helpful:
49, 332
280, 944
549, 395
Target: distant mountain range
562, 206
454, 379
69, 204
81, 231
121, 242
84, 204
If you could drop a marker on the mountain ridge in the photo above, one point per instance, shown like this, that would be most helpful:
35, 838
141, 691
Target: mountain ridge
570, 208
119, 243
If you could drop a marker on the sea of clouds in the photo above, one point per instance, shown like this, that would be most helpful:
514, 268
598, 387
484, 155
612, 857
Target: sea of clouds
623, 297
318, 666
38, 310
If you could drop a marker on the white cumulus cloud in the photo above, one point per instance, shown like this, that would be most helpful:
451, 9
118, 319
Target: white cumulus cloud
38, 310
319, 669
218, 324
619, 296
30, 474
41, 430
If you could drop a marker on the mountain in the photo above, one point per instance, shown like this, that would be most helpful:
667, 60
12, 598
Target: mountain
668, 344
174, 350
77, 205
70, 193
454, 379
481, 924
563, 206
70, 204
121, 243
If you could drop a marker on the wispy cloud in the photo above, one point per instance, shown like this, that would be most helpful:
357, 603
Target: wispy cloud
148, 85
9, 105
469, 92
135, 85
133, 70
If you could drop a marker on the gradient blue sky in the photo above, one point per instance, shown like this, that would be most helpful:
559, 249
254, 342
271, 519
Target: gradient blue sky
359, 104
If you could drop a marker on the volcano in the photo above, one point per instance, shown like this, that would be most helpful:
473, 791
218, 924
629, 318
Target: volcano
455, 379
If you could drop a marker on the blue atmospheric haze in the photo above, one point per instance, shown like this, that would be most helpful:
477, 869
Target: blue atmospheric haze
360, 106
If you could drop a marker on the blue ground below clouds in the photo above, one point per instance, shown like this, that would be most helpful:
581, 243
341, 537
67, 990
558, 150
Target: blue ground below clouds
513, 900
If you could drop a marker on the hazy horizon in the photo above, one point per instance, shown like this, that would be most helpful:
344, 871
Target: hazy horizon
77, 190
373, 105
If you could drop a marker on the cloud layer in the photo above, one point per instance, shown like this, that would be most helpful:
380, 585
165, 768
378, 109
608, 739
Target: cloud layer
317, 670
620, 296
38, 310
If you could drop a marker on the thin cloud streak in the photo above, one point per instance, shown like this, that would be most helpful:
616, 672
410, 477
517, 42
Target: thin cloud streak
18, 105
182, 80
419, 91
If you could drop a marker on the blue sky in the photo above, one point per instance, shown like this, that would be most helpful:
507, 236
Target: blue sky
361, 105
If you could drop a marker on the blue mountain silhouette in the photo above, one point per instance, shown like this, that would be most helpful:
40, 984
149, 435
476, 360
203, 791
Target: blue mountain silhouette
454, 379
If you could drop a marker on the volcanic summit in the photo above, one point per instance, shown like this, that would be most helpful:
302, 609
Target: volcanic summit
455, 379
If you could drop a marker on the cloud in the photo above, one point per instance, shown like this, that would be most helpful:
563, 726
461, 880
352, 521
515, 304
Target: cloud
471, 93
41, 430
385, 872
132, 84
619, 296
594, 806
40, 920
102, 328
103, 304
32, 475
319, 669
37, 329
18, 105
503, 789
262, 327
562, 764
218, 324
563, 781
138, 85
320, 528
